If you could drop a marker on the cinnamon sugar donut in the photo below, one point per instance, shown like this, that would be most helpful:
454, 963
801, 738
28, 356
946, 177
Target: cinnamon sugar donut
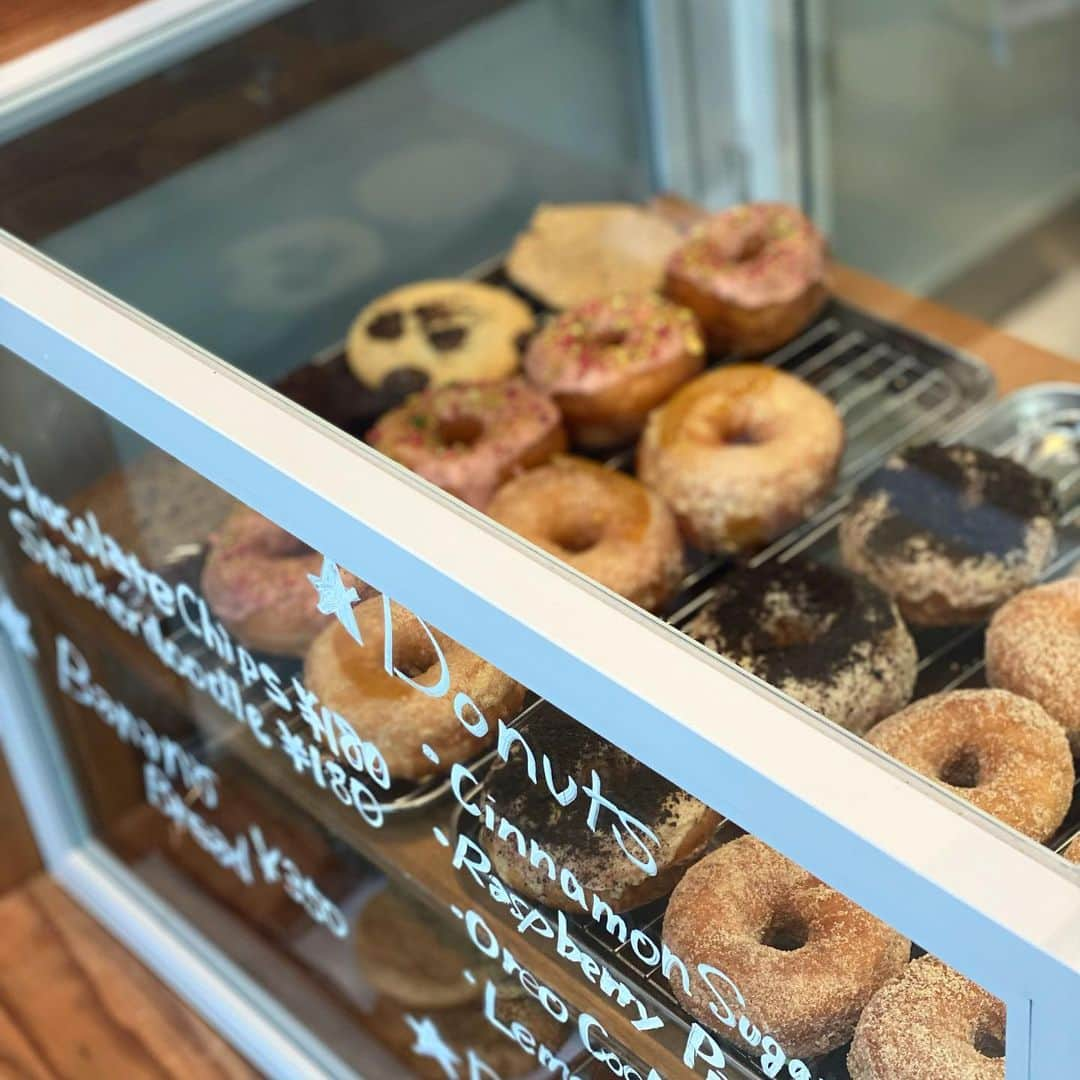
950, 531
1033, 649
931, 1022
396, 717
610, 360
835, 643
255, 580
741, 454
754, 275
682, 825
469, 437
604, 524
999, 751
804, 958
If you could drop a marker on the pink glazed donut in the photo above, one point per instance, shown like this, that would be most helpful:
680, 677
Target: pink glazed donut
255, 581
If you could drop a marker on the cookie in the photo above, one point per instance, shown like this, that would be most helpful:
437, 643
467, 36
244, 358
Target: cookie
451, 331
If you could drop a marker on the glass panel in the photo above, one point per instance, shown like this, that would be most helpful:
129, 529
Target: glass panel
430, 866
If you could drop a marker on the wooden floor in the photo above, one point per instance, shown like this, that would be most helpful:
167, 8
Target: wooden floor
75, 1004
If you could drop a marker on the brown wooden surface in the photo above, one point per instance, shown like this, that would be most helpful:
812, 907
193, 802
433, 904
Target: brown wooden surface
21, 857
75, 1004
26, 25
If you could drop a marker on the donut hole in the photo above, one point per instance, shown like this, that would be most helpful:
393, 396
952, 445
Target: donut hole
794, 629
459, 431
750, 248
415, 658
785, 932
988, 1043
578, 536
605, 339
962, 769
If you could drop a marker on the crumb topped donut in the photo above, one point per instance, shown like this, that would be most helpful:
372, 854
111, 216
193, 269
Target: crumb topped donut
682, 825
470, 437
448, 330
255, 580
754, 275
604, 524
610, 360
950, 531
834, 643
805, 959
741, 454
1033, 649
931, 1022
385, 710
1000, 752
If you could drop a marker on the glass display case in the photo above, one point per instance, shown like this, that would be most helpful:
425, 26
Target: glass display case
484, 593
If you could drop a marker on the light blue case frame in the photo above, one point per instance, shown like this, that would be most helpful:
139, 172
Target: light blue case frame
995, 906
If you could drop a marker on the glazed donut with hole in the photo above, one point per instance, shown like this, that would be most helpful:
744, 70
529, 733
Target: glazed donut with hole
610, 360
604, 524
468, 438
399, 719
804, 958
999, 751
741, 454
255, 580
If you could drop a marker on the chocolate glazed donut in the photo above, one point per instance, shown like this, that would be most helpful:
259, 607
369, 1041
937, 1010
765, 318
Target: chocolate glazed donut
834, 643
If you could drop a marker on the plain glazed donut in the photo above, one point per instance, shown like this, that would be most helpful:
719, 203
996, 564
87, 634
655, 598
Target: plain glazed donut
741, 454
931, 1022
396, 717
607, 362
754, 275
950, 531
255, 580
1033, 649
470, 437
604, 524
805, 959
835, 643
681, 824
999, 751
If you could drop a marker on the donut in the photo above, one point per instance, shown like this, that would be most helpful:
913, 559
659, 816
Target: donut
741, 454
451, 331
603, 523
951, 532
470, 437
804, 958
610, 360
999, 751
681, 824
396, 717
834, 643
931, 1022
255, 580
1072, 852
1033, 649
754, 275
572, 252
410, 954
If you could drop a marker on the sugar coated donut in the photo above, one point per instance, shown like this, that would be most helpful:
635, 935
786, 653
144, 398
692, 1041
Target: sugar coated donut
950, 531
255, 580
682, 825
805, 959
1033, 649
385, 710
741, 454
834, 643
470, 437
931, 1022
610, 360
754, 275
604, 524
451, 331
999, 751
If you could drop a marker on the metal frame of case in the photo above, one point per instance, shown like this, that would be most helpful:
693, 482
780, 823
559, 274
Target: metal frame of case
997, 907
